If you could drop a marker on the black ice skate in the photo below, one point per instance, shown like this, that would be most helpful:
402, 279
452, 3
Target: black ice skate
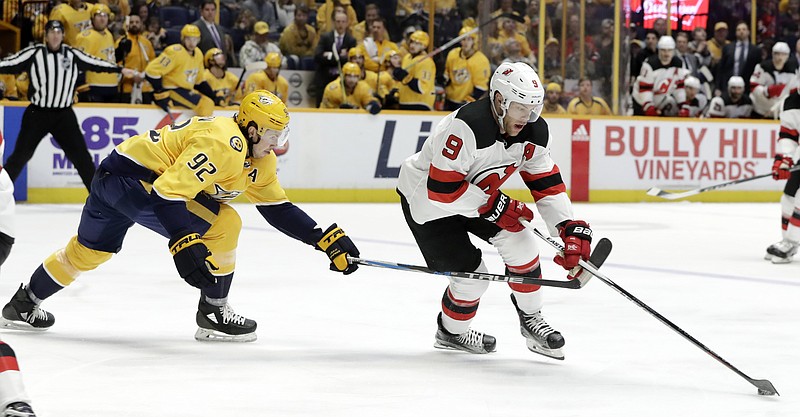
23, 313
781, 252
471, 341
539, 336
221, 324
18, 409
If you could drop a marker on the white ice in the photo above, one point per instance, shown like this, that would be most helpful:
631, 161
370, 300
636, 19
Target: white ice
362, 345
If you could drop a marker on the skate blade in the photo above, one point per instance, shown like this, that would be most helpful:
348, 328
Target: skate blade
20, 325
779, 260
208, 335
447, 346
550, 353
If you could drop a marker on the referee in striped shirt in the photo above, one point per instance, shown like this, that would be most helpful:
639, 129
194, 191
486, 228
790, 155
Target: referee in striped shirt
53, 69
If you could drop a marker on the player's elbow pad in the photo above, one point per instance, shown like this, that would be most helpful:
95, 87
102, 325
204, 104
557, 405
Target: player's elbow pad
414, 85
206, 90
155, 82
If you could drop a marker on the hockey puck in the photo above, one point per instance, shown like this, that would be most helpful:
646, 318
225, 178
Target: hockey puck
762, 392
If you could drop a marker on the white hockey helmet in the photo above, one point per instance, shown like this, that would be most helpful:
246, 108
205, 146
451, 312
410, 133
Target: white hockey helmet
518, 82
735, 81
691, 82
666, 42
781, 47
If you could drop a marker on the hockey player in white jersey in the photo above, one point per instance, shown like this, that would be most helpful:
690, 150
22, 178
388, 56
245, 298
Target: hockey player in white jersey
696, 101
451, 189
734, 104
769, 80
787, 153
658, 90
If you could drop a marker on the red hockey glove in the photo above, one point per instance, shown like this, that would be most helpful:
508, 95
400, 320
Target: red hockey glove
775, 90
780, 168
684, 112
577, 237
651, 111
505, 211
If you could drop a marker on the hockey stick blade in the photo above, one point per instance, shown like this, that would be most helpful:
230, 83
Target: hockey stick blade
658, 192
481, 276
764, 386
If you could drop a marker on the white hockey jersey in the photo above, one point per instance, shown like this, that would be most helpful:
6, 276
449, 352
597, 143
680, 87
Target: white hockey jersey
696, 107
661, 85
764, 76
467, 158
723, 106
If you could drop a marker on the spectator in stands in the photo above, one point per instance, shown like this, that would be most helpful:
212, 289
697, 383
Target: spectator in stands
512, 51
143, 10
350, 93
299, 39
718, 42
509, 31
269, 79
156, 34
466, 72
212, 35
586, 104
263, 10
552, 100
257, 47
660, 26
650, 42
135, 51
177, 75
696, 101
552, 60
417, 75
222, 82
734, 104
739, 58
75, 17
688, 59
699, 46
98, 42
371, 14
325, 12
331, 53
284, 14
242, 29
376, 45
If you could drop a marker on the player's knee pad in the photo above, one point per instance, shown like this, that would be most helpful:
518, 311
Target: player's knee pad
6, 242
222, 238
66, 264
204, 107
518, 250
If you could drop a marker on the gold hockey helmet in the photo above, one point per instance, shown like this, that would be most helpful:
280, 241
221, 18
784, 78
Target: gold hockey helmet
273, 60
210, 54
264, 111
190, 31
351, 68
421, 37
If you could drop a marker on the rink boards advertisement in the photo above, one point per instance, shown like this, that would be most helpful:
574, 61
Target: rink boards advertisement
352, 156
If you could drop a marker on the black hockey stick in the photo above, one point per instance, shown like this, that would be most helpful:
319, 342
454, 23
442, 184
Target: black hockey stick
657, 192
457, 39
764, 386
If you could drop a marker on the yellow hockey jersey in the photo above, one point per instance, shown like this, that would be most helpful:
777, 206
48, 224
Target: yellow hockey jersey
384, 78
223, 87
383, 48
75, 21
425, 73
204, 154
177, 68
100, 45
260, 81
332, 98
465, 75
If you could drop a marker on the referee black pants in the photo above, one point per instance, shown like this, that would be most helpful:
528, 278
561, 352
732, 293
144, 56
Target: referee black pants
62, 123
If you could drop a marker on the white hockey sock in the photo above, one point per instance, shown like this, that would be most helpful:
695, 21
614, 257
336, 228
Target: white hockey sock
529, 302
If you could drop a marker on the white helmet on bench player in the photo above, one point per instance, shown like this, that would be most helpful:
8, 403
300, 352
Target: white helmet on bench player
517, 82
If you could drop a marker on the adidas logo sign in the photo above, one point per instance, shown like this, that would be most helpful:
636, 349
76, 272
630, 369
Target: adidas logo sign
580, 134
212, 318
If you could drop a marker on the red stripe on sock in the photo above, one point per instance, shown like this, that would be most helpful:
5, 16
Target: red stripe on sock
8, 363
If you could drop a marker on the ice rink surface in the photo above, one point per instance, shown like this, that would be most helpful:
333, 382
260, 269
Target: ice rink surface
362, 345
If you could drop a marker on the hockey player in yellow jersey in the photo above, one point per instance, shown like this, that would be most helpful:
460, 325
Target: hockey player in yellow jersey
356, 93
75, 17
466, 74
269, 79
417, 75
98, 41
177, 182
177, 75
135, 51
380, 82
221, 81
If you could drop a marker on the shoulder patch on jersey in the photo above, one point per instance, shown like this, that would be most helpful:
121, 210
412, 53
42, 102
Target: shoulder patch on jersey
479, 118
176, 47
237, 144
